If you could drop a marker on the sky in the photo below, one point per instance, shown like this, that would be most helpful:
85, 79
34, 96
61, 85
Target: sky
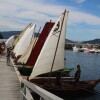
83, 18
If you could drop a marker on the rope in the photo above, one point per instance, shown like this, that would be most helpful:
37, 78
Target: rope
95, 92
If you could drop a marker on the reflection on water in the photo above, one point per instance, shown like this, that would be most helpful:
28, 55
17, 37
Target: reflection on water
90, 69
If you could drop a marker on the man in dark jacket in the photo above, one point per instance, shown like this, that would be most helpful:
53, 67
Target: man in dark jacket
77, 74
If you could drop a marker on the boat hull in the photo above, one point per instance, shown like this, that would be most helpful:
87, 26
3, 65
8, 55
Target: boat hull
67, 87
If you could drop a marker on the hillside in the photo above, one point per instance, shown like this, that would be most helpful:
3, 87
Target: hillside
70, 41
95, 41
1, 36
7, 34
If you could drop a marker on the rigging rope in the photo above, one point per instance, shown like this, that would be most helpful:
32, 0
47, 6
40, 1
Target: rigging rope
94, 92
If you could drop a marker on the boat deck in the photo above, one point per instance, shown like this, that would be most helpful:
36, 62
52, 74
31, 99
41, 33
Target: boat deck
9, 83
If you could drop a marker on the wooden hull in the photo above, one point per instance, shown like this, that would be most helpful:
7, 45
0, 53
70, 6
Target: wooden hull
67, 87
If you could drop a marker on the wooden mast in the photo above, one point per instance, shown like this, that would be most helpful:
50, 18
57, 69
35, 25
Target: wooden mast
57, 45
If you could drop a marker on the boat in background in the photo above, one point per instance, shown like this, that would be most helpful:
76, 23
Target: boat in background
90, 50
97, 50
9, 42
75, 49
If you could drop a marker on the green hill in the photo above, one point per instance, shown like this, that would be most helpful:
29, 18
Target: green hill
7, 34
1, 36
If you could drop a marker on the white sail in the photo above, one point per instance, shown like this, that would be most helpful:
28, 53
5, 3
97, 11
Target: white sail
20, 35
17, 44
9, 42
24, 41
46, 57
26, 54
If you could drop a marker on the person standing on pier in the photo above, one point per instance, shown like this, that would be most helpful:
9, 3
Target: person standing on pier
0, 53
8, 56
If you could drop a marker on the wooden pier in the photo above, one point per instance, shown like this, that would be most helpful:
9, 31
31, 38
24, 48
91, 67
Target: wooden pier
14, 87
9, 83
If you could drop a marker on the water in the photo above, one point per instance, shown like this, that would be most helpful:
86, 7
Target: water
90, 69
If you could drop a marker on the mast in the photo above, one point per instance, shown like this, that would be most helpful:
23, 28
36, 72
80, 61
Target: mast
57, 44
32, 37
36, 38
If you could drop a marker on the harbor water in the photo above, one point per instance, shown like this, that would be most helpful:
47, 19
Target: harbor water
90, 70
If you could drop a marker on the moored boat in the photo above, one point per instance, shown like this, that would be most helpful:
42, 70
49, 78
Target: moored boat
51, 58
75, 49
67, 85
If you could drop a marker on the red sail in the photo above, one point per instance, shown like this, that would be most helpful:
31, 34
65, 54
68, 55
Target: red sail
42, 38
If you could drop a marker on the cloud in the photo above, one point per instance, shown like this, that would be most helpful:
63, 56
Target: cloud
11, 25
76, 17
15, 15
95, 32
79, 1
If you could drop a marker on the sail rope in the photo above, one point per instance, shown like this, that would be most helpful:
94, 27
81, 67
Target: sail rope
97, 92
94, 92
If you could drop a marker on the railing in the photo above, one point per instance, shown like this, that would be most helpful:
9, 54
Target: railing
30, 91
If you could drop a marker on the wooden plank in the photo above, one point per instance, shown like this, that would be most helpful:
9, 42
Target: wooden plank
9, 83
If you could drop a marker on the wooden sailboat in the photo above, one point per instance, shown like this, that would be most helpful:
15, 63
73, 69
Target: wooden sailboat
51, 58
26, 70
30, 56
23, 59
20, 35
24, 42
37, 49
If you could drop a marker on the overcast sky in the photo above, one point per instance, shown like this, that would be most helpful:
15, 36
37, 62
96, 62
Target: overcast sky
83, 19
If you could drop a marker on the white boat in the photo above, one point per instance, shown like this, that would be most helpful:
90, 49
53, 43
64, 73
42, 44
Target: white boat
75, 49
82, 49
9, 42
97, 50
90, 50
